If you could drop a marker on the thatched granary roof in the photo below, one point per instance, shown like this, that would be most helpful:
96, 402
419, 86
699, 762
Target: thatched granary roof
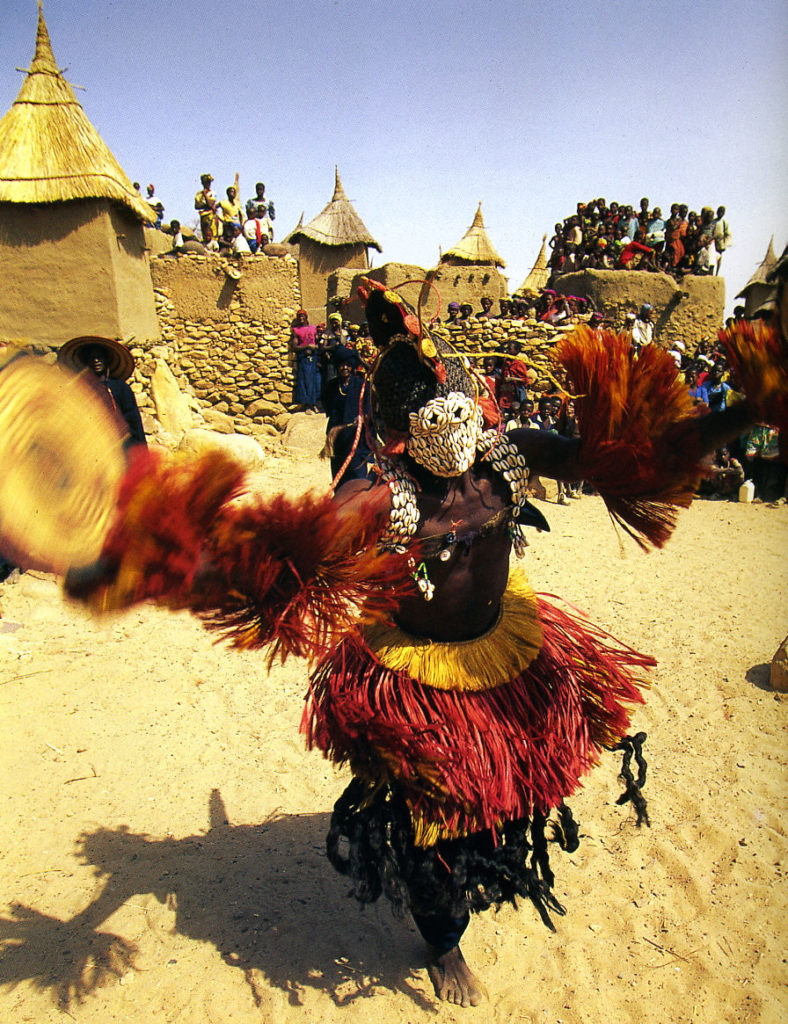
475, 246
540, 272
337, 224
49, 150
762, 272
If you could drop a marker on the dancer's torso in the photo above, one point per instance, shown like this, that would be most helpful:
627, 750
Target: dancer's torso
470, 582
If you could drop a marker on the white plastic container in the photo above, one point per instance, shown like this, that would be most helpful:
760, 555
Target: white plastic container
747, 491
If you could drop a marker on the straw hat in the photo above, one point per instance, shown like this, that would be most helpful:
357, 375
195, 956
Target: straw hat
62, 457
120, 362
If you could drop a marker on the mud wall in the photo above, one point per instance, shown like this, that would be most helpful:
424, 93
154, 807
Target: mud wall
73, 268
316, 263
467, 283
688, 310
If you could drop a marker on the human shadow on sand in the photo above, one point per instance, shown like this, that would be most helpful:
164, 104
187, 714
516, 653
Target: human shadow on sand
225, 887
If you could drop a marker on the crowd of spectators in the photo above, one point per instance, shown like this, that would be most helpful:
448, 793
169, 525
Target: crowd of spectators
332, 359
227, 227
755, 455
618, 237
547, 307
511, 383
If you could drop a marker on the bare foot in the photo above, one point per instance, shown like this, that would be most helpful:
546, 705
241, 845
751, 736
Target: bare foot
454, 981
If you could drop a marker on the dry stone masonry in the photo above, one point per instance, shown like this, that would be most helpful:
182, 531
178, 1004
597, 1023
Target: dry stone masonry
225, 341
482, 338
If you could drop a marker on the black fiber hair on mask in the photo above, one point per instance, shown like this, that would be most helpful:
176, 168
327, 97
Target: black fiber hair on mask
402, 383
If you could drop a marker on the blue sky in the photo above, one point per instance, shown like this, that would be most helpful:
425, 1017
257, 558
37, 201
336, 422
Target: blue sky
429, 107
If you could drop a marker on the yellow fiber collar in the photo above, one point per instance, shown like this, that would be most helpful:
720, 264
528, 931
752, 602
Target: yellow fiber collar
494, 658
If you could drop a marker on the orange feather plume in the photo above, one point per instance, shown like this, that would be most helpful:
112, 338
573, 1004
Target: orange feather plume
633, 414
758, 357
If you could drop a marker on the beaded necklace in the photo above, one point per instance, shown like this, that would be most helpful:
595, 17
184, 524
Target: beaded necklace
492, 447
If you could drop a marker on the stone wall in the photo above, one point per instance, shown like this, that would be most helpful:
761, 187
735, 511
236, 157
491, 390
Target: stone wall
482, 338
455, 284
226, 341
688, 311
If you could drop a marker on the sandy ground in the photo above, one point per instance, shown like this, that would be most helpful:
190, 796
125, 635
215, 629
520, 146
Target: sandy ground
162, 830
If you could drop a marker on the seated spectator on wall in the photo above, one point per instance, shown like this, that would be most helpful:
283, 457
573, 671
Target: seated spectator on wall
209, 240
239, 245
226, 239
505, 306
181, 245
466, 311
636, 256
571, 262
177, 236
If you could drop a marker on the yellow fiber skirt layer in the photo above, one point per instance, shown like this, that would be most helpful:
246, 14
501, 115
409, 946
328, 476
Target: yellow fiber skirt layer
491, 660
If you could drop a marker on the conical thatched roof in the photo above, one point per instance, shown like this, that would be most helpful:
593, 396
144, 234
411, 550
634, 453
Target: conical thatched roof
49, 150
337, 224
761, 275
475, 246
540, 272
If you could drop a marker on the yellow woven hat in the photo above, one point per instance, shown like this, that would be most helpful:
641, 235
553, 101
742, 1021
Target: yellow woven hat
62, 458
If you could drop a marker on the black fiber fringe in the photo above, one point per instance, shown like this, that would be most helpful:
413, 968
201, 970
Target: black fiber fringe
454, 876
633, 746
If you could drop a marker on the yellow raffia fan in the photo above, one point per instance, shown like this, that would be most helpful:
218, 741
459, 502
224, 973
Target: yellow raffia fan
62, 462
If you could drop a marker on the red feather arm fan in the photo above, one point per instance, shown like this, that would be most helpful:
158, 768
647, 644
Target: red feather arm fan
640, 444
758, 357
285, 573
